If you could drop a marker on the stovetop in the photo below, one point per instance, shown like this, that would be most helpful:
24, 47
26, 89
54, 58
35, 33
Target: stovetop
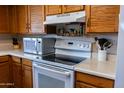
63, 59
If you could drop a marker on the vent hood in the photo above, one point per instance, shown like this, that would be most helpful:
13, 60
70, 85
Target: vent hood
66, 18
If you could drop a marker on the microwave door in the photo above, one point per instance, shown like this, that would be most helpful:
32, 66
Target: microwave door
30, 45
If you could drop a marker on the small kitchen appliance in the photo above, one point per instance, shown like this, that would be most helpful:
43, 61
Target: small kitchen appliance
38, 46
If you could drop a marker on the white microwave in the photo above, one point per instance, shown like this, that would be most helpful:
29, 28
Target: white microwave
38, 46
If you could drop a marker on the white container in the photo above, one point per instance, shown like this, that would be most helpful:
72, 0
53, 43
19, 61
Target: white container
102, 55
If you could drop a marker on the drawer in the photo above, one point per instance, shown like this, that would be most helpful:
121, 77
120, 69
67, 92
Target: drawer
4, 58
26, 62
16, 59
94, 80
83, 85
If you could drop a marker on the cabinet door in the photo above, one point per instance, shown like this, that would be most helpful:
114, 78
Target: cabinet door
17, 72
12, 20
22, 18
102, 18
4, 26
4, 74
72, 8
53, 9
36, 18
27, 81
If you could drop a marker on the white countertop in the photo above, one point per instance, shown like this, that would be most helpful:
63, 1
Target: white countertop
92, 66
89, 66
18, 53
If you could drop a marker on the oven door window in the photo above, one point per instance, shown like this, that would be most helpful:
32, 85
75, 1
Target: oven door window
49, 82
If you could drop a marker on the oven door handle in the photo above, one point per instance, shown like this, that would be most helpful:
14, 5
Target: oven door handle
65, 73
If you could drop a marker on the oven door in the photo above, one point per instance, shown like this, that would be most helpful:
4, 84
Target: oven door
47, 76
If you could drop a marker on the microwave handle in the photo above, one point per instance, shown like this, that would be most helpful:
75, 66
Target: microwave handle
53, 70
38, 46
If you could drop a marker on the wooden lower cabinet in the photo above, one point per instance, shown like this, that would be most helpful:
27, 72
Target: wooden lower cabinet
17, 72
89, 81
17, 75
27, 80
83, 85
22, 73
4, 72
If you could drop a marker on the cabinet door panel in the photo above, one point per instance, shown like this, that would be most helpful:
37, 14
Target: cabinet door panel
17, 75
27, 76
12, 20
103, 18
4, 18
4, 74
36, 19
72, 8
22, 19
53, 9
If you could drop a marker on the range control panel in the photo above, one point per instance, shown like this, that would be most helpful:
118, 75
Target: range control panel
74, 44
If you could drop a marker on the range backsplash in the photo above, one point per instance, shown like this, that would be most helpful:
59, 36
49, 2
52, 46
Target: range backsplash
90, 38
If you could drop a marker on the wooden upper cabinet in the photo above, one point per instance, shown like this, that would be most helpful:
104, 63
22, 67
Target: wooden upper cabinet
12, 20
36, 18
30, 19
102, 18
22, 18
72, 8
4, 24
53, 9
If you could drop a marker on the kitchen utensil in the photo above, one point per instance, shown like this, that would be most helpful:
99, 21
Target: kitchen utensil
101, 42
107, 45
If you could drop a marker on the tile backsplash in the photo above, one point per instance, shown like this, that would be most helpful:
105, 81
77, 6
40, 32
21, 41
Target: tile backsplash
6, 42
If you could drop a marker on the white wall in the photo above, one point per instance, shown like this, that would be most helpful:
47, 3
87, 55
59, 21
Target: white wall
119, 82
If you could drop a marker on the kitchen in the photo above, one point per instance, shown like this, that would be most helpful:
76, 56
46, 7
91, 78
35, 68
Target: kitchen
52, 46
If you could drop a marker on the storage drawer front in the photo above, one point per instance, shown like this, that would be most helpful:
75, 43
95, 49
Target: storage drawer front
94, 80
4, 58
83, 85
26, 62
16, 59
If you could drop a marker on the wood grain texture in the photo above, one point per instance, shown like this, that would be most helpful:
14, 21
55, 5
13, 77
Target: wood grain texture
4, 72
4, 59
27, 80
12, 20
102, 18
22, 19
94, 80
4, 19
83, 85
17, 75
27, 77
36, 19
72, 8
53, 9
